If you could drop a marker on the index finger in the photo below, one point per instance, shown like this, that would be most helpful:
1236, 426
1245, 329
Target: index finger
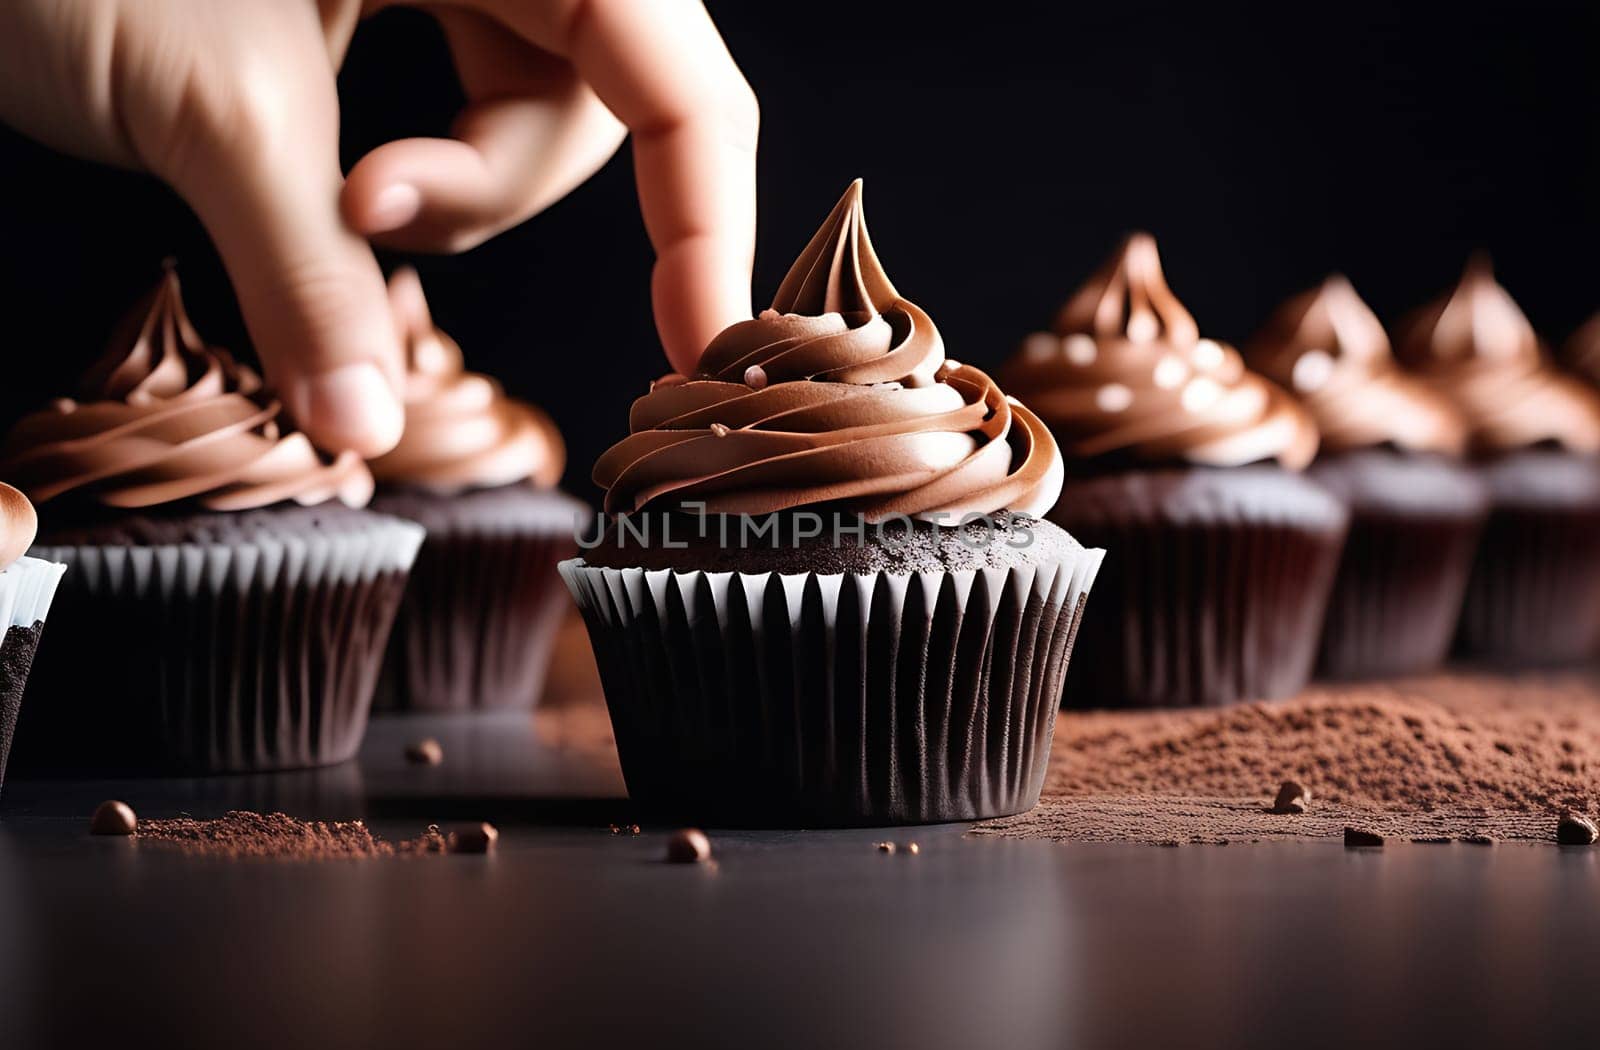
663, 69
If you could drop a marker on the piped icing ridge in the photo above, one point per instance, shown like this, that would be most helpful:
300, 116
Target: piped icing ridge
163, 418
840, 394
462, 431
1475, 346
1124, 374
18, 525
1330, 349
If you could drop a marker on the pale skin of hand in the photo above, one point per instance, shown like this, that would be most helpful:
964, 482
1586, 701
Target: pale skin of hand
234, 105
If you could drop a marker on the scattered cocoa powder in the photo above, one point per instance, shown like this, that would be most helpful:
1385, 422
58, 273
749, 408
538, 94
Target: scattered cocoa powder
240, 834
1474, 758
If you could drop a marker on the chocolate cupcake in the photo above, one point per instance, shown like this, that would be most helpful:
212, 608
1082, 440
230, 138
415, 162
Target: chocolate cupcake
849, 612
1534, 594
1391, 450
26, 587
227, 602
478, 470
1186, 467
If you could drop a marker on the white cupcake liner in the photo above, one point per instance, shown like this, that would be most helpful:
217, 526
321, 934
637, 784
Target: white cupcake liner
834, 699
26, 589
253, 654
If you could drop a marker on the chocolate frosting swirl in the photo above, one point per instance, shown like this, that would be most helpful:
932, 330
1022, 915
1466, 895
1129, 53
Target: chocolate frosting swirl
839, 394
163, 418
1328, 347
18, 525
462, 431
1126, 375
1476, 347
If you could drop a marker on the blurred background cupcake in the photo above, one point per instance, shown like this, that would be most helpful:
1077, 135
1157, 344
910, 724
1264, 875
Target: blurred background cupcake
862, 662
1186, 467
478, 470
26, 587
1391, 450
1534, 594
227, 603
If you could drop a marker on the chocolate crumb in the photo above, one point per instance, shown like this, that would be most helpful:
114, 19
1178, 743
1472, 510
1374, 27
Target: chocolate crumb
1575, 829
1358, 837
240, 835
1478, 840
1293, 797
113, 818
688, 846
913, 849
474, 838
1432, 840
886, 847
424, 752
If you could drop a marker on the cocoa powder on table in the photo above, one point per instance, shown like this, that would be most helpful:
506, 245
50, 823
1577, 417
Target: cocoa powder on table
1467, 757
240, 834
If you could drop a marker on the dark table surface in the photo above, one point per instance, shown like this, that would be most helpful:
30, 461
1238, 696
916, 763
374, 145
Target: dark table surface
570, 935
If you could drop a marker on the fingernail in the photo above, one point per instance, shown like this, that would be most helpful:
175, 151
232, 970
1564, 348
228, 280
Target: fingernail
352, 406
394, 207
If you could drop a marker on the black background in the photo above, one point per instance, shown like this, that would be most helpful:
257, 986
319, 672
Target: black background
1005, 148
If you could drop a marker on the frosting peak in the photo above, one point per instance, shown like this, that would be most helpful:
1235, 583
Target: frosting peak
462, 431
1128, 298
18, 525
839, 394
163, 418
1476, 347
1328, 347
1125, 376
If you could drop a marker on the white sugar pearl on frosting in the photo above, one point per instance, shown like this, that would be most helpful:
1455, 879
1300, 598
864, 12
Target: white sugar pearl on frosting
1080, 349
1170, 372
1200, 393
1041, 346
1113, 397
1312, 371
1208, 354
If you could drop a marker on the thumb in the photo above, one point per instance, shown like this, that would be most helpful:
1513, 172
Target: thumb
313, 297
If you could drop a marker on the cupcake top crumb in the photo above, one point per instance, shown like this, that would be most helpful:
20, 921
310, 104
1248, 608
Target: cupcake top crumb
1124, 376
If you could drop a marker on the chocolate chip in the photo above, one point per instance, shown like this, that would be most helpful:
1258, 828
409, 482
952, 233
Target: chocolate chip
688, 846
474, 838
1575, 829
1361, 837
1293, 797
913, 848
113, 818
755, 377
424, 752
886, 847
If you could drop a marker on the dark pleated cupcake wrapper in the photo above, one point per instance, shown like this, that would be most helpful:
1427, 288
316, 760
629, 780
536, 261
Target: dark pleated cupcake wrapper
1397, 595
478, 622
833, 700
27, 587
256, 655
1534, 595
1202, 613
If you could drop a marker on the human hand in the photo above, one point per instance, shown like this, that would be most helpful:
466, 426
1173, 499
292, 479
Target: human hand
235, 106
